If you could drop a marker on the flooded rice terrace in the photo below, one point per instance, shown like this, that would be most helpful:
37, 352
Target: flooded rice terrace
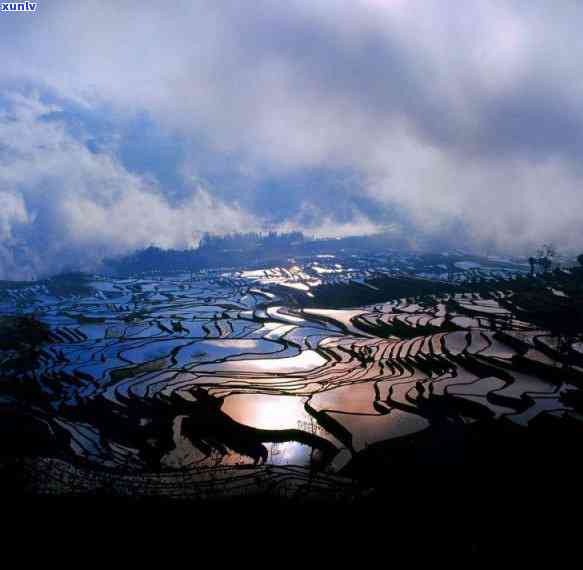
203, 386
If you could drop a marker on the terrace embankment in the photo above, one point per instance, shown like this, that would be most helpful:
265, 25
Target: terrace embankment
209, 388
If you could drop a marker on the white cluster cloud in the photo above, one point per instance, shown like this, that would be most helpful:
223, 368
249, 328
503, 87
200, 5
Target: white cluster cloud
449, 110
62, 205
323, 224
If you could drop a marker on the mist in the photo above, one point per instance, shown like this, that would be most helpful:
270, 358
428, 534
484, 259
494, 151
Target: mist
331, 117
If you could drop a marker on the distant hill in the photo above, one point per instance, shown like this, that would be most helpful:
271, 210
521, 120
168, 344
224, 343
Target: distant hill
240, 249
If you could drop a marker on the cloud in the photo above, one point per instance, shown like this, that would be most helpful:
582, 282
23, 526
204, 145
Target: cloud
447, 112
321, 224
62, 205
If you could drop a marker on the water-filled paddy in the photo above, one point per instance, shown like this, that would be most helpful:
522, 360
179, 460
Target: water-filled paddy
220, 378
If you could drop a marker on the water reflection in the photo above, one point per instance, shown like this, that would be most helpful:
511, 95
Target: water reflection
267, 412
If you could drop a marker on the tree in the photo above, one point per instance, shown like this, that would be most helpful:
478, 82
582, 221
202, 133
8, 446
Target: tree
546, 255
544, 258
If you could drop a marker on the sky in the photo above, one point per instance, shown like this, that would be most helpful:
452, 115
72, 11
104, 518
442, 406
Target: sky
125, 124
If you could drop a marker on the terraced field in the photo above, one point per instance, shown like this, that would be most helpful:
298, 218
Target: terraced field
209, 386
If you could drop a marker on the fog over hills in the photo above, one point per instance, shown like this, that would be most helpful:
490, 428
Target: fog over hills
124, 126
